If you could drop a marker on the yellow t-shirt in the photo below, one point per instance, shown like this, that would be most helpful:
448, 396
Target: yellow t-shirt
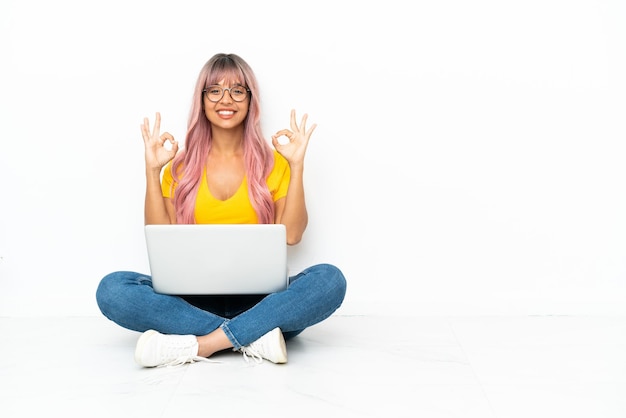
237, 209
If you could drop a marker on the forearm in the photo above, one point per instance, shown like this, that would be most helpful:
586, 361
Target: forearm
155, 211
295, 216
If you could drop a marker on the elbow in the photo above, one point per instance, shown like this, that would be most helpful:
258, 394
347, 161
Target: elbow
294, 239
294, 234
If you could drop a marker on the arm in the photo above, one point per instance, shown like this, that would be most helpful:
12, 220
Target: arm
157, 209
291, 210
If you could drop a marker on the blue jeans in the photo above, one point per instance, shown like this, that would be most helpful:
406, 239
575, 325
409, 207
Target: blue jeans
128, 299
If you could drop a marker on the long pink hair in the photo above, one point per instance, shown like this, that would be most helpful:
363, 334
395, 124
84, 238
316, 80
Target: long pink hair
189, 163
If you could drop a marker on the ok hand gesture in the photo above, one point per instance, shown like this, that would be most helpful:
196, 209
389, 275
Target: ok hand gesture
298, 140
157, 155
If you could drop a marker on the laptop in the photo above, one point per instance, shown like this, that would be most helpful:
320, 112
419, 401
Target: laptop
217, 259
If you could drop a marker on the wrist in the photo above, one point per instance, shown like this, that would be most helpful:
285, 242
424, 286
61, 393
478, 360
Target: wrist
153, 171
299, 166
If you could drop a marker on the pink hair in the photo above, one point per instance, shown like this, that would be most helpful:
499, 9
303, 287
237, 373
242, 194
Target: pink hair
258, 155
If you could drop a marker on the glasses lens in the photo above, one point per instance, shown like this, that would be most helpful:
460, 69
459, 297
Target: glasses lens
238, 93
215, 93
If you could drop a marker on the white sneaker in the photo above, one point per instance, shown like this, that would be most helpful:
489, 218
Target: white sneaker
156, 350
270, 347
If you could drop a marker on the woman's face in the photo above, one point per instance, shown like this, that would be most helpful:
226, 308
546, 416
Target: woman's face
226, 104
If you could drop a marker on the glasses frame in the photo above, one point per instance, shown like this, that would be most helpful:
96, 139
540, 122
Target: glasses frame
224, 90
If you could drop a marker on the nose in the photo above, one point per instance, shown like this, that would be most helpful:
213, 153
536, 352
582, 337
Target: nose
230, 98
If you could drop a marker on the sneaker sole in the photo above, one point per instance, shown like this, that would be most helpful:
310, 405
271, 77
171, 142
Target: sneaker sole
140, 345
283, 349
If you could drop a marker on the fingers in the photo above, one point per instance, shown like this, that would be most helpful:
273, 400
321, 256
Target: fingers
297, 133
294, 124
153, 138
311, 129
174, 148
145, 128
284, 132
275, 141
303, 123
157, 124
166, 137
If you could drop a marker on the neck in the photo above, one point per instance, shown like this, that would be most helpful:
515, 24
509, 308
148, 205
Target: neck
227, 142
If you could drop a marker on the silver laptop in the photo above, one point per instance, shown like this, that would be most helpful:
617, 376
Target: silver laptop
217, 259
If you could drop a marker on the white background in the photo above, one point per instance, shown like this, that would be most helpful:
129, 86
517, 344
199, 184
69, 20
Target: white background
469, 155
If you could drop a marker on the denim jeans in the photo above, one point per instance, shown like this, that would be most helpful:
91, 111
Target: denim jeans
128, 299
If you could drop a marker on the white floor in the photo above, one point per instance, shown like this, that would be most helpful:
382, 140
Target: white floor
347, 366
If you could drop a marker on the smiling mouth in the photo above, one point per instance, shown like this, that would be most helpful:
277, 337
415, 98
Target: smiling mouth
226, 112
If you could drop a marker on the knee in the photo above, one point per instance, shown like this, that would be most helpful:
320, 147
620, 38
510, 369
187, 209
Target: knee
110, 290
334, 279
104, 291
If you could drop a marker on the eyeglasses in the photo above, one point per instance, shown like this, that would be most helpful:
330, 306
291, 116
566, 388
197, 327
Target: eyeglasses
215, 93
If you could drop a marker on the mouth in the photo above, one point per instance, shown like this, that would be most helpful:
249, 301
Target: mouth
225, 112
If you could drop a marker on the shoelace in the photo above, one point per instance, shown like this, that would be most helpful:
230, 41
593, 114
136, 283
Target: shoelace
249, 353
177, 362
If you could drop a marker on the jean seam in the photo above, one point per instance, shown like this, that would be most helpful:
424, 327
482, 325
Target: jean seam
230, 335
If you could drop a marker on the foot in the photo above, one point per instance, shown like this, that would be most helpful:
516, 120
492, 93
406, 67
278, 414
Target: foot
155, 349
270, 346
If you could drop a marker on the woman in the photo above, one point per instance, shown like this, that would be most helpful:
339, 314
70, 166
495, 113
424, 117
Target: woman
226, 173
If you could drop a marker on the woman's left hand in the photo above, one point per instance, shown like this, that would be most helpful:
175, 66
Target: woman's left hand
298, 139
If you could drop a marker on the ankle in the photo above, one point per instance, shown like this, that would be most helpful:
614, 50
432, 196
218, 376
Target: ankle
212, 343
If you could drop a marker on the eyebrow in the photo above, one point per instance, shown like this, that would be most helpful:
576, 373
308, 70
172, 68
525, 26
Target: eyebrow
235, 83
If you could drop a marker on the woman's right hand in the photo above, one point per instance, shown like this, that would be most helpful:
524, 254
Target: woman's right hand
157, 155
